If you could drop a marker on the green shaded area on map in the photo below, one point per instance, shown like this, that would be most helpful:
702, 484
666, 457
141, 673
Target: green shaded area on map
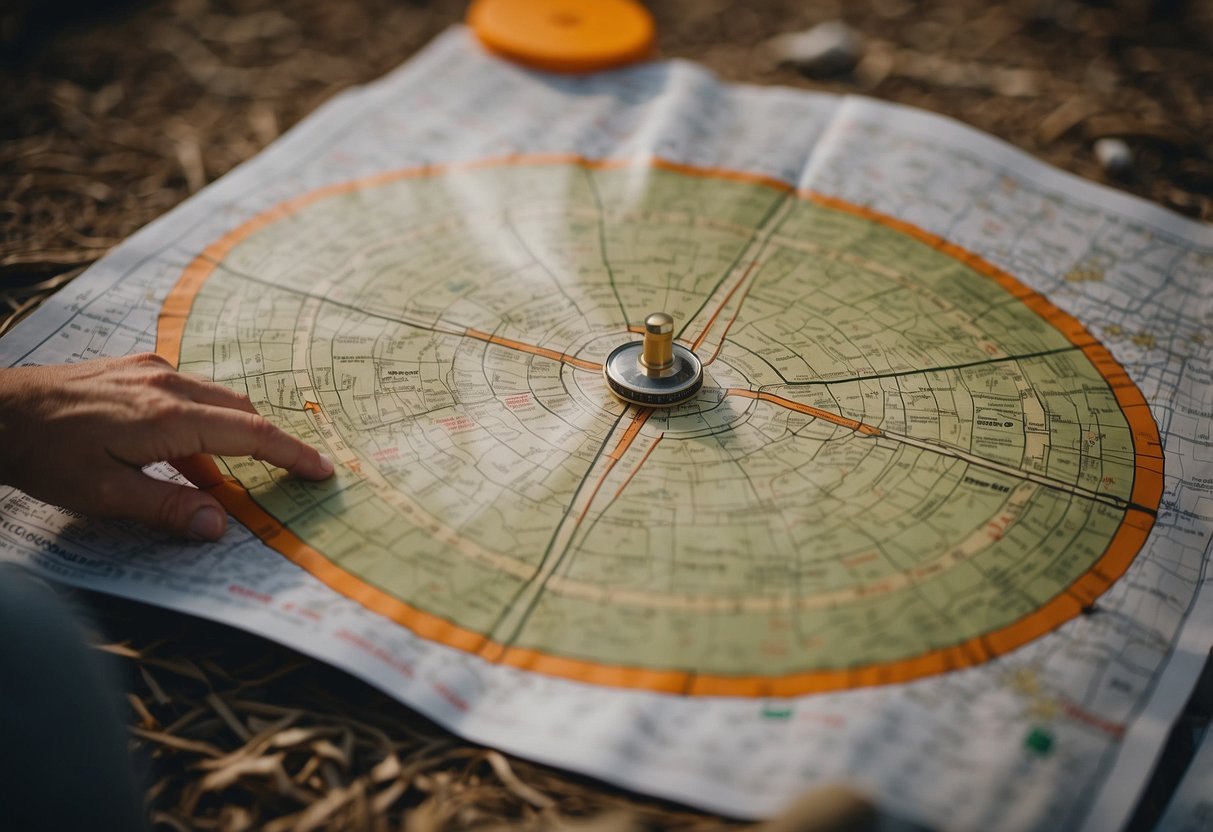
436, 335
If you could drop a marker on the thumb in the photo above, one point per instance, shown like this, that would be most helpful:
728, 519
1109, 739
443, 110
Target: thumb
177, 509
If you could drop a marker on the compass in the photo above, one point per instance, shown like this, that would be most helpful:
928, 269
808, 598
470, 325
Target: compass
654, 372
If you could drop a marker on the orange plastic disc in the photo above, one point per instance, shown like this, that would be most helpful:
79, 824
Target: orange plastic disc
565, 35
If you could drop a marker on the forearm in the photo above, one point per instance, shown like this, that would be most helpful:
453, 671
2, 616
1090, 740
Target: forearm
14, 405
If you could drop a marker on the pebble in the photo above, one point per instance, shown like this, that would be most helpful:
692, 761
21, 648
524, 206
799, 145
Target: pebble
826, 49
1114, 156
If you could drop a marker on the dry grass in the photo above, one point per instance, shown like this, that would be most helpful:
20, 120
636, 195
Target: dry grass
236, 733
112, 122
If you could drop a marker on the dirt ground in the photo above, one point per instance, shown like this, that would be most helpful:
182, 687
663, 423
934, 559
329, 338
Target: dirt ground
112, 116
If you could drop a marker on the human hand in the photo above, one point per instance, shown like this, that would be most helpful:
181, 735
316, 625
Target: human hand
78, 435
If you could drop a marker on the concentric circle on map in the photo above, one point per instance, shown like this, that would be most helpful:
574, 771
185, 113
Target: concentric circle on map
902, 461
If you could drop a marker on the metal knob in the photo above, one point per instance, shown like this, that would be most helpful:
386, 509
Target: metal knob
658, 356
656, 372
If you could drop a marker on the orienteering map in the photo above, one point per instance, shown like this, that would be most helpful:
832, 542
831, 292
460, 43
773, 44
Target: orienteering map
903, 461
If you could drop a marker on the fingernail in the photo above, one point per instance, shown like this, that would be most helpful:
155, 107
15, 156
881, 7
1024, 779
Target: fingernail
207, 523
326, 465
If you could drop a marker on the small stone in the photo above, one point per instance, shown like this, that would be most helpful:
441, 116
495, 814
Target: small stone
827, 49
1114, 156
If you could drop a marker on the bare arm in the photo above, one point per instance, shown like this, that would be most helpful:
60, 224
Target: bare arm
77, 435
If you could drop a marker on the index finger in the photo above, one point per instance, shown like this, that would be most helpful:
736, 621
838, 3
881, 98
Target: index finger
228, 432
205, 391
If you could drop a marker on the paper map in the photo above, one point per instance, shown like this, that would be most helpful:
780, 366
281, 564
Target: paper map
937, 524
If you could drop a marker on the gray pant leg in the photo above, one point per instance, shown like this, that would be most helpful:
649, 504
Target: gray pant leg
64, 762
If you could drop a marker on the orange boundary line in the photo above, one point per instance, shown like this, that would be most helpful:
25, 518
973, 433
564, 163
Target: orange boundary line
562, 357
621, 448
639, 465
729, 326
1123, 547
817, 413
712, 320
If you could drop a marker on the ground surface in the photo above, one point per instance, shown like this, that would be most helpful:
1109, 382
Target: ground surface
111, 119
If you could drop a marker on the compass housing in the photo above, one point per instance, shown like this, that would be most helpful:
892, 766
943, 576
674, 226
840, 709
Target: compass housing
630, 380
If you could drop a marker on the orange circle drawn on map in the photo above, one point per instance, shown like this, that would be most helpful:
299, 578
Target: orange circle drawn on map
1127, 541
568, 36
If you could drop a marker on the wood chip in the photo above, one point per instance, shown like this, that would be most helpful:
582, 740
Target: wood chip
327, 751
120, 650
291, 737
181, 666
186, 720
256, 744
501, 767
387, 798
146, 720
236, 769
158, 693
1068, 115
386, 769
165, 819
315, 815
235, 819
225, 713
179, 743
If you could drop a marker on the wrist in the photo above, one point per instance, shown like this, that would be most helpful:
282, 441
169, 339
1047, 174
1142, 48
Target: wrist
13, 440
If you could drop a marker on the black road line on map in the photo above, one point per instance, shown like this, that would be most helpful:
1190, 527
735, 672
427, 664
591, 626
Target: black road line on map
776, 204
615, 497
602, 241
509, 222
1114, 502
1118, 503
941, 369
637, 413
547, 552
324, 299
306, 511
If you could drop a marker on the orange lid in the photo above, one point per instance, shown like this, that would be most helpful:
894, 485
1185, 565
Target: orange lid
565, 35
